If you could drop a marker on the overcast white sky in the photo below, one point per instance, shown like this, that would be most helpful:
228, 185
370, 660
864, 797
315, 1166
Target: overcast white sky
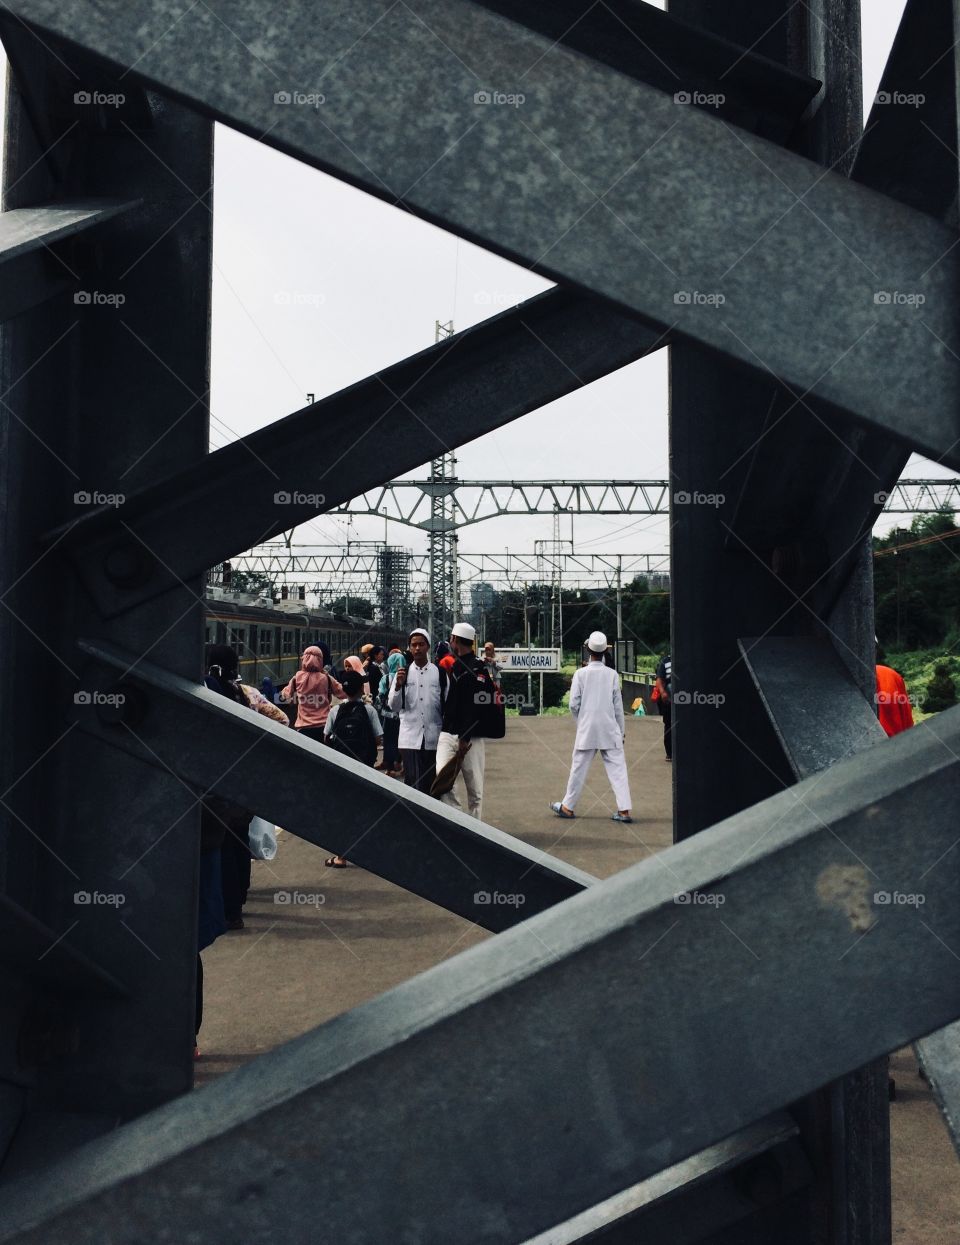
317, 285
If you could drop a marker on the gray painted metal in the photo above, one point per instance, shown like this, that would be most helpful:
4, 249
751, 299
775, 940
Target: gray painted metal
939, 1056
672, 206
35, 954
392, 830
816, 708
470, 383
581, 1051
733, 82
652, 1210
28, 229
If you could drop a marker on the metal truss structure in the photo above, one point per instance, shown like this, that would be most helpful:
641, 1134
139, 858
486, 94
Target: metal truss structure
620, 1062
473, 501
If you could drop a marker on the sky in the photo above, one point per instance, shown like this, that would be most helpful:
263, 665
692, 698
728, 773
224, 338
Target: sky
316, 285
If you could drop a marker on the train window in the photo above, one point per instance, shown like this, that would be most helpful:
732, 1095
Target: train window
287, 643
238, 640
266, 642
208, 634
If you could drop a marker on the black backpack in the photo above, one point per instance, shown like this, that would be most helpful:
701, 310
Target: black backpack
489, 706
352, 735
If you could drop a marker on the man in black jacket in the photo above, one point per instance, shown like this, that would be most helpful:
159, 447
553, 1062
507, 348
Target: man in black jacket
464, 681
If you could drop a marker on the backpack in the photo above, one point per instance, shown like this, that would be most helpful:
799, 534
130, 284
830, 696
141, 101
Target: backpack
352, 735
490, 708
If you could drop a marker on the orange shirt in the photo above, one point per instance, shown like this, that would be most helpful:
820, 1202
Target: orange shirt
893, 702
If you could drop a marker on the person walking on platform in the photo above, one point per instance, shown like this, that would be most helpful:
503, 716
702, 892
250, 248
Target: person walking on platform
392, 763
311, 689
461, 718
663, 682
415, 696
597, 706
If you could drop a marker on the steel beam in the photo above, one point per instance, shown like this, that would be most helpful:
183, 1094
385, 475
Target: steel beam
580, 1052
409, 838
673, 210
742, 86
446, 395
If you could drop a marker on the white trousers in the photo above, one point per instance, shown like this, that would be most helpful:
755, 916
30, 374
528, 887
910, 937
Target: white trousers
471, 773
614, 762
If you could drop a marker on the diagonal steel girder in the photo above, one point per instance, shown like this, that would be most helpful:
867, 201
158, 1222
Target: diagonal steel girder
446, 395
793, 674
579, 1052
672, 211
394, 831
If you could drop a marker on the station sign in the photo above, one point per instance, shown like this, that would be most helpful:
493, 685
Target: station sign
529, 660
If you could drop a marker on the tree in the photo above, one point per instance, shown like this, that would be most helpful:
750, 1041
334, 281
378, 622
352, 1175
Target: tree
917, 588
253, 582
359, 607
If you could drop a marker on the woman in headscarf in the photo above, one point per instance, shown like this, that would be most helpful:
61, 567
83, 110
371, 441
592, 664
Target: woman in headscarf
311, 689
354, 663
391, 763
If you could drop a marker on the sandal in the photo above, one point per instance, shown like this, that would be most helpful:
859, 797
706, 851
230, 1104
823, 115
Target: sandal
335, 862
625, 818
562, 812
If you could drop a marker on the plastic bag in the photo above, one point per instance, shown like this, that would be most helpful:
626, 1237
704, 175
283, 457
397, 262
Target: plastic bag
262, 839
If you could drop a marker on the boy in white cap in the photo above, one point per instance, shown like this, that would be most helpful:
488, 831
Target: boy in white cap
460, 719
597, 707
415, 695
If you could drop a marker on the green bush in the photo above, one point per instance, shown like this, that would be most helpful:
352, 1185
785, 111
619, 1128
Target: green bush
941, 693
555, 687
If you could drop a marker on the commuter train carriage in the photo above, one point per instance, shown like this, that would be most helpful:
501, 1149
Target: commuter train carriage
269, 641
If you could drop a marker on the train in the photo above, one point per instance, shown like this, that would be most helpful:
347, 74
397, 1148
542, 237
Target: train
268, 642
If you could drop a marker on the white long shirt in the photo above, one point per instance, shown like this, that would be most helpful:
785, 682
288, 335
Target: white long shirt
597, 706
418, 704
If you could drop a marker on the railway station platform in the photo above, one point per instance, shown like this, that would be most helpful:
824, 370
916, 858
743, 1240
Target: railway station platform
319, 941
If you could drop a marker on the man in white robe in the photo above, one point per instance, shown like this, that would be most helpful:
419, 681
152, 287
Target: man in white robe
597, 706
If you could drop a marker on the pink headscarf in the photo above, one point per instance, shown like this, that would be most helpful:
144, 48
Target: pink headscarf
353, 663
310, 688
312, 659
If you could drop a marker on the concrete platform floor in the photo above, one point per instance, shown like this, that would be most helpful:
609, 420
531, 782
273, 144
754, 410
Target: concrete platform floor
347, 936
